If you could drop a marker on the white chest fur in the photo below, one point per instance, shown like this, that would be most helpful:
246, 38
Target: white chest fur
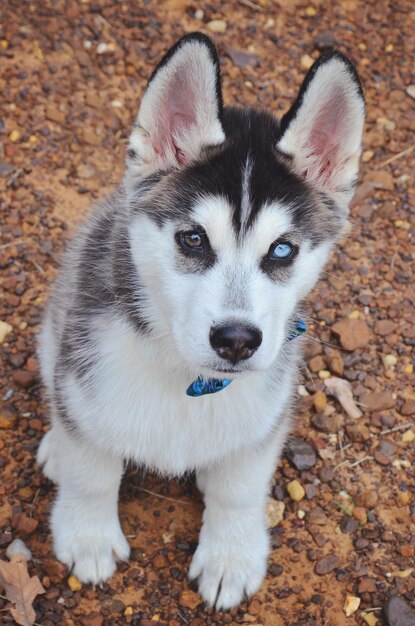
135, 405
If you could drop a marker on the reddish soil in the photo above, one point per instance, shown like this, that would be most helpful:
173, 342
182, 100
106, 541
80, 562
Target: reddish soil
65, 115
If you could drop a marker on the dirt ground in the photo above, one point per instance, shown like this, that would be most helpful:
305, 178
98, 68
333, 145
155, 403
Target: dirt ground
71, 78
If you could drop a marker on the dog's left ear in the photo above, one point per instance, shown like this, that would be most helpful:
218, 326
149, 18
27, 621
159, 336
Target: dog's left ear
322, 132
181, 109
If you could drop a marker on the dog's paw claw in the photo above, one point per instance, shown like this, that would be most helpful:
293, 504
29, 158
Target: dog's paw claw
225, 580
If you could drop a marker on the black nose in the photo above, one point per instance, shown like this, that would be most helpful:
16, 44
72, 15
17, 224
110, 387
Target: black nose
235, 342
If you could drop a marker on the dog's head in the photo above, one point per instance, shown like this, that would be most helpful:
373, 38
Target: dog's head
233, 213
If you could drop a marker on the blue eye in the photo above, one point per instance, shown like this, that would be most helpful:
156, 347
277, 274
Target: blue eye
283, 250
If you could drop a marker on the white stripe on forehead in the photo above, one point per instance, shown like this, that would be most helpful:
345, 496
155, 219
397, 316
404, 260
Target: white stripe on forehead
246, 200
214, 214
271, 222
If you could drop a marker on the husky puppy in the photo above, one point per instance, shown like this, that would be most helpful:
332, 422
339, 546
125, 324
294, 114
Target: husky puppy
190, 277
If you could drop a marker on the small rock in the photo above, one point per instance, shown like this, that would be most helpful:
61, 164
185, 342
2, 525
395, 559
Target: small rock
317, 516
275, 569
351, 605
358, 432
317, 363
384, 327
367, 499
217, 26
369, 618
319, 400
18, 547
74, 584
24, 524
295, 490
306, 61
325, 40
5, 330
390, 360
408, 408
398, 613
408, 436
348, 525
359, 514
367, 156
190, 599
382, 459
300, 453
327, 423
382, 180
7, 418
323, 374
14, 136
327, 564
274, 511
352, 333
24, 379
378, 401
241, 58
336, 365
410, 90
366, 585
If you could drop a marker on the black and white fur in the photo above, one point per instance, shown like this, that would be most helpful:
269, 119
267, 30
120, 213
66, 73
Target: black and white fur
130, 321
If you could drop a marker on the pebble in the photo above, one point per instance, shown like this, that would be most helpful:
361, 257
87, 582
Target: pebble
367, 156
351, 605
384, 327
352, 333
327, 564
24, 524
306, 61
24, 379
390, 360
367, 499
325, 41
317, 516
74, 584
7, 418
5, 330
295, 490
359, 514
323, 374
274, 512
18, 547
317, 363
369, 618
408, 408
398, 613
382, 180
377, 401
319, 400
408, 436
14, 136
410, 90
217, 26
300, 453
348, 525
190, 599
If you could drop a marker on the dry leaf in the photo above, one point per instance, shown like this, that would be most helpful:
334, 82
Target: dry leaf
20, 588
342, 390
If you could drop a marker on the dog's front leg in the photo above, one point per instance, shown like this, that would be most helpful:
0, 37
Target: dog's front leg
85, 526
231, 559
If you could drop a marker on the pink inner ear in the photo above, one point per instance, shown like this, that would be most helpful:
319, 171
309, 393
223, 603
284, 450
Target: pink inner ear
177, 115
324, 140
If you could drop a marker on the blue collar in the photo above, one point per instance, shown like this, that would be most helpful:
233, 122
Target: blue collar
202, 387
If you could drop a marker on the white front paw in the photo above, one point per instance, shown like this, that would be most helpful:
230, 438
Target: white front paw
91, 548
229, 572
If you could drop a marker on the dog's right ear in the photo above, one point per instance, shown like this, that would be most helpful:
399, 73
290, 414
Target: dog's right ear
181, 109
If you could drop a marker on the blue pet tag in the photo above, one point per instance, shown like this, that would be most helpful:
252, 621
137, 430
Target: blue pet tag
201, 387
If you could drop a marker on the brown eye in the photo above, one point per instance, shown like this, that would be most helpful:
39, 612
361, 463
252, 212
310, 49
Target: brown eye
192, 240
